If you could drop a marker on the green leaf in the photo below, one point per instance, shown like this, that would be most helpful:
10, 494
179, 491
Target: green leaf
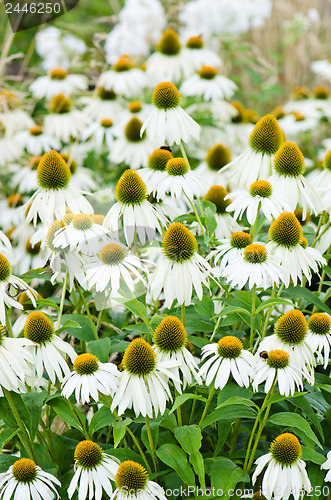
225, 475
7, 435
237, 400
205, 306
34, 402
302, 403
272, 302
100, 348
190, 437
139, 311
84, 331
298, 292
6, 461
295, 421
48, 302
310, 455
229, 412
185, 397
102, 418
277, 398
155, 435
119, 430
64, 411
174, 457
210, 221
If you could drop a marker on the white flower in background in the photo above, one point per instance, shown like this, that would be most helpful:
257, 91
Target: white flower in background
260, 197
94, 471
208, 85
288, 245
170, 62
55, 192
143, 384
63, 122
254, 267
81, 176
100, 133
327, 466
230, 249
11, 148
132, 483
89, 378
104, 104
130, 146
256, 162
200, 54
112, 264
322, 68
287, 178
25, 479
226, 224
132, 209
155, 171
168, 122
48, 349
11, 214
27, 256
286, 473
277, 366
123, 79
170, 341
291, 336
211, 168
319, 336
295, 123
12, 118
24, 178
58, 81
228, 358
36, 142
181, 270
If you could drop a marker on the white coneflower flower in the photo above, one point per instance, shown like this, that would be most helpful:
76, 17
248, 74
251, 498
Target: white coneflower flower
256, 162
168, 122
25, 479
111, 265
180, 181
28, 257
211, 170
81, 176
89, 378
104, 104
94, 471
226, 224
286, 472
11, 116
58, 81
11, 148
319, 336
25, 180
260, 197
322, 67
16, 360
10, 216
36, 142
229, 249
327, 466
208, 85
124, 79
322, 179
170, 339
132, 208
132, 147
228, 358
101, 133
291, 248
55, 192
143, 384
200, 54
170, 61
9, 285
49, 350
277, 367
291, 336
155, 171
132, 483
81, 234
181, 269
63, 122
254, 267
287, 178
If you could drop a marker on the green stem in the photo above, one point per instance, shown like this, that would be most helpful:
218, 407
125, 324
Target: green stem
24, 436
64, 289
142, 316
234, 439
321, 234
81, 423
183, 314
151, 444
257, 439
136, 442
8, 323
192, 409
215, 329
210, 397
182, 149
253, 227
269, 311
86, 309
251, 337
195, 213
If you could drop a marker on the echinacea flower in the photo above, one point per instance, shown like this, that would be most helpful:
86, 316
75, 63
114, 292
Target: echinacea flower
211, 170
286, 472
180, 181
170, 341
291, 336
256, 267
260, 197
155, 171
278, 367
143, 384
132, 483
319, 336
286, 243
322, 67
63, 122
256, 162
36, 142
49, 350
228, 250
94, 471
11, 148
58, 81
327, 466
208, 85
104, 104
25, 479
123, 78
89, 378
55, 192
168, 122
200, 54
135, 212
181, 268
228, 358
226, 224
100, 133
